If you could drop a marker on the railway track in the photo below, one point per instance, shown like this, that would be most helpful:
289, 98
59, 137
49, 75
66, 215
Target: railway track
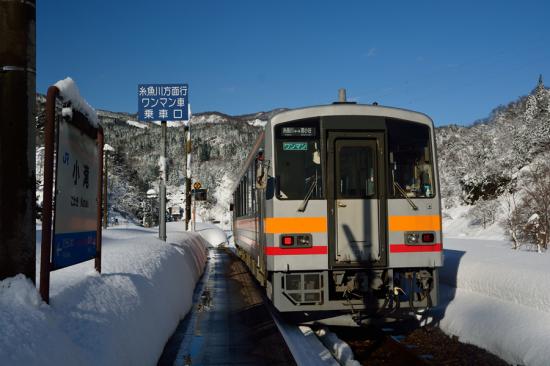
379, 345
405, 343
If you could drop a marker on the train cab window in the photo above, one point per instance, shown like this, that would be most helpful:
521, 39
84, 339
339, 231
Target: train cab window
410, 159
298, 160
355, 176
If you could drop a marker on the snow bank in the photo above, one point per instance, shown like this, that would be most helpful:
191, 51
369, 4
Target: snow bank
518, 334
122, 317
304, 345
211, 233
489, 267
497, 299
68, 91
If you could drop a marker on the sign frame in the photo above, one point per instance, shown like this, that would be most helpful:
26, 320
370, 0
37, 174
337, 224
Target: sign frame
200, 194
80, 122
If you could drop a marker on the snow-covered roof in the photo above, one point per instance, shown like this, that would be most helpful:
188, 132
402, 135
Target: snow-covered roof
68, 91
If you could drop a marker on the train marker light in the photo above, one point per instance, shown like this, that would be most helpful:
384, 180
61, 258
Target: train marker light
288, 240
428, 237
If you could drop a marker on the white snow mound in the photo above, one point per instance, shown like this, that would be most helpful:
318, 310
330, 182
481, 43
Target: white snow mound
68, 91
123, 316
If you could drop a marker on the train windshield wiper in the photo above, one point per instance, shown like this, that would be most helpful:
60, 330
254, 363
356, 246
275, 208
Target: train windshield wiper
404, 194
313, 185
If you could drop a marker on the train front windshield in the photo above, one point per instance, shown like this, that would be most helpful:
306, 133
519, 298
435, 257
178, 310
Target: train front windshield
411, 163
298, 152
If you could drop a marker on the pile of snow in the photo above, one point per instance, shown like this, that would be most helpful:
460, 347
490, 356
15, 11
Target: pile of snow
68, 91
123, 316
305, 346
496, 298
339, 349
211, 233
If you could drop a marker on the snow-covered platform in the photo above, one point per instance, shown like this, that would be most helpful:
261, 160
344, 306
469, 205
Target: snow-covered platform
229, 324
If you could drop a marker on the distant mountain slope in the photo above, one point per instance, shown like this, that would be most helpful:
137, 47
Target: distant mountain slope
220, 143
476, 162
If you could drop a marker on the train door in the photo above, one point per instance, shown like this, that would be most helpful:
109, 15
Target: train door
356, 200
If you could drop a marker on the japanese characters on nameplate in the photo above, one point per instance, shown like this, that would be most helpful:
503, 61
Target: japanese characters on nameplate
163, 102
76, 197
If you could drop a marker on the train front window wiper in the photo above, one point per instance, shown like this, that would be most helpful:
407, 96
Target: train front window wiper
404, 194
312, 187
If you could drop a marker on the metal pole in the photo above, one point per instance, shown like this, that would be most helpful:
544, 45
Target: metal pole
162, 188
17, 139
185, 159
187, 176
194, 215
100, 140
105, 207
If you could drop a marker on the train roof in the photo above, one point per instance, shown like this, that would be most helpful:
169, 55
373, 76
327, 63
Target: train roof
349, 109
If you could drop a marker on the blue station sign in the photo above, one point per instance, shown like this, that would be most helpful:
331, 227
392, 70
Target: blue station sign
163, 102
76, 199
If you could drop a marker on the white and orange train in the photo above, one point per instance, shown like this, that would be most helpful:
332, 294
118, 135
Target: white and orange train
337, 212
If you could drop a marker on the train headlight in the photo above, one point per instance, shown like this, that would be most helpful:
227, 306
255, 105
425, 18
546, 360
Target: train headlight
412, 238
419, 237
304, 240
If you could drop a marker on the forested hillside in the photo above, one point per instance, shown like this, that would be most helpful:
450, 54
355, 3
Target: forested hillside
490, 167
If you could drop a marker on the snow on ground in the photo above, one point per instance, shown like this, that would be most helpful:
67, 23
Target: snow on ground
304, 345
211, 233
122, 316
492, 296
457, 223
339, 349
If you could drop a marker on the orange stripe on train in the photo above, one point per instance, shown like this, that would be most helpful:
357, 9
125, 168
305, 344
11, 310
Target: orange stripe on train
414, 223
295, 225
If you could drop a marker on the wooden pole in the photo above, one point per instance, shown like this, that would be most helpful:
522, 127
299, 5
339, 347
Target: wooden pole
17, 138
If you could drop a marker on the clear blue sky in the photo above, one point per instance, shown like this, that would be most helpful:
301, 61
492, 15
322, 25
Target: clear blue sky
454, 60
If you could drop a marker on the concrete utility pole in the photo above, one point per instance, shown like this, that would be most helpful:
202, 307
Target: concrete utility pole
187, 150
17, 137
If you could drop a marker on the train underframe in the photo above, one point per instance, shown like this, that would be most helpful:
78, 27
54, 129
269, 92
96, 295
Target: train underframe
348, 296
358, 295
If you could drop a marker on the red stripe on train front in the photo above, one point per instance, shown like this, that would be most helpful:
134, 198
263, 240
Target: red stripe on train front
404, 248
296, 251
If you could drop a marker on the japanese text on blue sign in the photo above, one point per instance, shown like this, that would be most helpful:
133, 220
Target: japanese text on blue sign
163, 102
75, 235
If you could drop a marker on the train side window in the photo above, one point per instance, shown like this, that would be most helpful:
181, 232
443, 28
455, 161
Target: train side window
411, 165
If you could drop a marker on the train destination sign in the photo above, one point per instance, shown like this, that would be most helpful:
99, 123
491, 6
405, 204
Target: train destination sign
298, 131
163, 102
76, 198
